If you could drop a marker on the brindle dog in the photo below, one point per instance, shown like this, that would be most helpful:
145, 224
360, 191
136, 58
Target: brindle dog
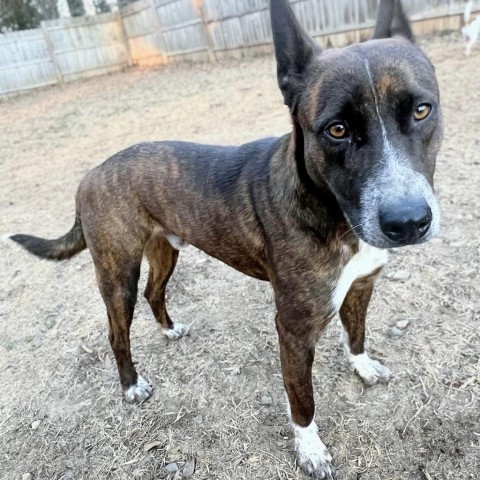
311, 212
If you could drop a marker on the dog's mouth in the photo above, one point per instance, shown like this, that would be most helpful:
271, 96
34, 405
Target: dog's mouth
397, 237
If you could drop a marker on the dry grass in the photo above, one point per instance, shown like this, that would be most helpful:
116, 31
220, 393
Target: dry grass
55, 362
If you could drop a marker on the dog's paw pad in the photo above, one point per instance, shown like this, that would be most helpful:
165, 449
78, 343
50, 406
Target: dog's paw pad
140, 392
312, 455
177, 331
369, 370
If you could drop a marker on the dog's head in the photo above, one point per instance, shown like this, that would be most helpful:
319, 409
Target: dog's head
371, 123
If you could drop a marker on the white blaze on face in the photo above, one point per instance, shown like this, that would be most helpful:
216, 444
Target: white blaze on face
395, 181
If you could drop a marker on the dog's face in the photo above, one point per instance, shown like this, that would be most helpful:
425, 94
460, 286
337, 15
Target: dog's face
372, 127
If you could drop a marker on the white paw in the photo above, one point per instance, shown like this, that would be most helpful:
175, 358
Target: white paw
177, 331
140, 392
369, 370
312, 455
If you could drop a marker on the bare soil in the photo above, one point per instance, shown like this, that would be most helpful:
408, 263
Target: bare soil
61, 411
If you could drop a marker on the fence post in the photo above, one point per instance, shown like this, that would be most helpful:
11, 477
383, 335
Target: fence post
153, 6
51, 51
198, 6
125, 38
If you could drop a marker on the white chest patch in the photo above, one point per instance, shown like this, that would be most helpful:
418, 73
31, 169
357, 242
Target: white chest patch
366, 261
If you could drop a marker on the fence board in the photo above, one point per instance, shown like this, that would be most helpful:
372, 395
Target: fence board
87, 44
181, 26
26, 76
142, 28
175, 13
148, 31
25, 61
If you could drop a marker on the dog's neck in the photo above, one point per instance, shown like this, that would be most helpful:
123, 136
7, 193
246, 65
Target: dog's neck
311, 204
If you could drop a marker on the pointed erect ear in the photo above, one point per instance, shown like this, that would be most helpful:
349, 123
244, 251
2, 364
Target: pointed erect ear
392, 21
400, 23
383, 27
294, 49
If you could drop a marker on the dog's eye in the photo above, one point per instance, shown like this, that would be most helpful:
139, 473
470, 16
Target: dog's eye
422, 112
337, 130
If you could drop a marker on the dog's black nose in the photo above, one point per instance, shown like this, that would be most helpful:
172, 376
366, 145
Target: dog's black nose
406, 223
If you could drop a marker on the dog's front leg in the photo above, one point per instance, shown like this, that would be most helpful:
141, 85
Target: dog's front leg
353, 315
297, 351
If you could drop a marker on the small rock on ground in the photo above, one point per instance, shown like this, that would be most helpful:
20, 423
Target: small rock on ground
36, 424
171, 467
402, 324
188, 469
395, 332
266, 400
399, 275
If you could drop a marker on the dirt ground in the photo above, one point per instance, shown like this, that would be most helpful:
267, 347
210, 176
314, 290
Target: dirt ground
61, 411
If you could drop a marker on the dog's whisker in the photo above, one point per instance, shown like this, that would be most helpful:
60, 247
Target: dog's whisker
350, 230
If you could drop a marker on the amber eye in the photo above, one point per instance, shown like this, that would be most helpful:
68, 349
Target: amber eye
337, 130
422, 112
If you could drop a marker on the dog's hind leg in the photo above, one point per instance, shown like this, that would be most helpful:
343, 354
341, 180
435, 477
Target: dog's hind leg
162, 258
353, 314
117, 277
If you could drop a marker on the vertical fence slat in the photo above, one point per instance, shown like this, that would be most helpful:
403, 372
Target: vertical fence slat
49, 43
25, 61
88, 46
198, 5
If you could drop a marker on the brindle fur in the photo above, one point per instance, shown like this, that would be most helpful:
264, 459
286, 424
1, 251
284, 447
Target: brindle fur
269, 209
353, 311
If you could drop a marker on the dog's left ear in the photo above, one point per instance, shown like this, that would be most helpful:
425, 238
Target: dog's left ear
294, 50
392, 21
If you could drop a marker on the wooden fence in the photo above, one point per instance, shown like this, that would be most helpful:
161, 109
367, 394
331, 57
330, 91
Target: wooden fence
160, 31
86, 46
25, 61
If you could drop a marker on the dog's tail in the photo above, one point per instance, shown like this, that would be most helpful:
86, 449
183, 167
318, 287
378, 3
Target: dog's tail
62, 248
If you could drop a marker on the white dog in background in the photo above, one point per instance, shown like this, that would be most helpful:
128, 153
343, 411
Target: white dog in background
470, 31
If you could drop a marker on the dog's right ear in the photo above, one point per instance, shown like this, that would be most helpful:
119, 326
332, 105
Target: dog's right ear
392, 21
294, 50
